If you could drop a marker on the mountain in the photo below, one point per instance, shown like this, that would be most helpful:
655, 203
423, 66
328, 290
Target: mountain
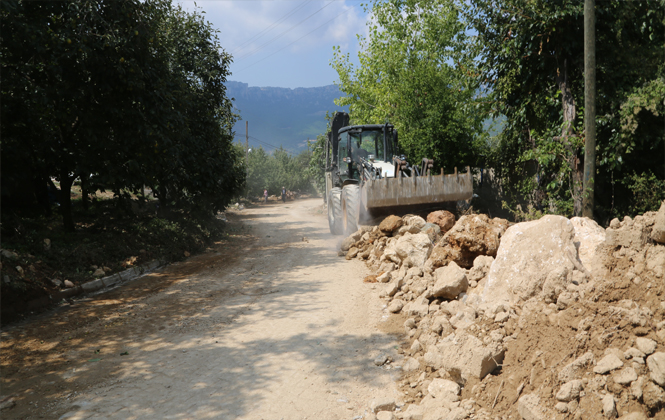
282, 116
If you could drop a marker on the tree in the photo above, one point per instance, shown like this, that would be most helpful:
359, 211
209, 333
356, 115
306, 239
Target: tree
412, 74
121, 94
531, 58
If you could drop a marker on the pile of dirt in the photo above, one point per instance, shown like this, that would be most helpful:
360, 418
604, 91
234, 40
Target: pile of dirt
549, 319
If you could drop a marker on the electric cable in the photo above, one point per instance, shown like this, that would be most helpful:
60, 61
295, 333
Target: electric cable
260, 34
254, 51
315, 29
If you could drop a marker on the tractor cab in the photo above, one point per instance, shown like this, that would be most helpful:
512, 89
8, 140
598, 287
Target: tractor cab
365, 152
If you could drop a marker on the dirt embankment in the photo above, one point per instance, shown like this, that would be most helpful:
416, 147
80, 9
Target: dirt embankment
550, 319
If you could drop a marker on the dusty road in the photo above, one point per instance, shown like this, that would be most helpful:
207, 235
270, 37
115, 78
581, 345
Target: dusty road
268, 325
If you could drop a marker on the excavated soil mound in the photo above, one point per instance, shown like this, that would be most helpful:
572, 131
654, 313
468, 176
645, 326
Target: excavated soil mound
550, 319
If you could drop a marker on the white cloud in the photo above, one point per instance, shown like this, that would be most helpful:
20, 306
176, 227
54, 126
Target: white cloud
241, 21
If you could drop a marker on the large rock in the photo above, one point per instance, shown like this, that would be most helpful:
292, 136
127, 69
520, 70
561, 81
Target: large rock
450, 281
391, 224
471, 236
463, 355
658, 230
645, 345
653, 396
529, 252
656, 365
444, 219
589, 238
481, 267
413, 250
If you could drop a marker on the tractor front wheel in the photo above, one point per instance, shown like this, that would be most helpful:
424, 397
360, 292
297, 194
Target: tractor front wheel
335, 217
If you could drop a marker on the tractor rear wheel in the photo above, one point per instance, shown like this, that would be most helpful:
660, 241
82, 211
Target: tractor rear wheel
351, 207
335, 217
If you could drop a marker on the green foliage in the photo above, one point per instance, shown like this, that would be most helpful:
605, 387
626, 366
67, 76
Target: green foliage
531, 59
412, 73
121, 94
277, 170
648, 192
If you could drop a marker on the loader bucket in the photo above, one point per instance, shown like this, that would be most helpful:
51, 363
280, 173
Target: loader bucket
390, 192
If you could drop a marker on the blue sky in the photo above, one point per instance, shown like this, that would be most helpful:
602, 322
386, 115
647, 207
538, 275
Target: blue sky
285, 43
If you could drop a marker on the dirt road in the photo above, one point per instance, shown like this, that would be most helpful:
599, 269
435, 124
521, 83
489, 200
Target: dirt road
271, 324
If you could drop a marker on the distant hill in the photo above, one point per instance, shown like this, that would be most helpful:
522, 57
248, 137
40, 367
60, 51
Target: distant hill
282, 116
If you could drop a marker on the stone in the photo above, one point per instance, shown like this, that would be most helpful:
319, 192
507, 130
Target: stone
347, 243
607, 364
574, 369
412, 224
645, 345
384, 278
450, 281
570, 391
656, 365
413, 250
501, 317
413, 412
419, 307
529, 407
384, 404
464, 318
589, 238
47, 244
625, 376
352, 253
410, 365
7, 403
395, 306
381, 359
393, 287
658, 229
99, 273
609, 406
432, 231
19, 269
443, 389
391, 224
68, 284
416, 346
410, 324
474, 235
633, 352
10, 255
636, 415
636, 388
653, 396
463, 355
556, 282
561, 407
56, 282
442, 218
529, 251
481, 266
385, 415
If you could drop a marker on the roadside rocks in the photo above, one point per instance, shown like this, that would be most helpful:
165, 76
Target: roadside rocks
444, 219
571, 313
658, 231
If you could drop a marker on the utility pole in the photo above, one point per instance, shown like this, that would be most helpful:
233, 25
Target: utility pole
589, 108
247, 155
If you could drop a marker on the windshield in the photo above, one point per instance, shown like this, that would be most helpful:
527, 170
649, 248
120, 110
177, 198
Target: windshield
367, 143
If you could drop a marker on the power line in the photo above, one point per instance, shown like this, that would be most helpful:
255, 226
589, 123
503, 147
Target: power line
282, 34
315, 29
260, 34
263, 143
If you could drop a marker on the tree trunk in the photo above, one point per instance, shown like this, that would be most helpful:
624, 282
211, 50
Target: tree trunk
85, 191
66, 200
567, 132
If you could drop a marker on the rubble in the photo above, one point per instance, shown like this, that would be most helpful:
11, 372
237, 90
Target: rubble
554, 318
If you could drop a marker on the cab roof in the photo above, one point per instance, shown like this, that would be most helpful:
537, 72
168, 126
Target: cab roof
365, 127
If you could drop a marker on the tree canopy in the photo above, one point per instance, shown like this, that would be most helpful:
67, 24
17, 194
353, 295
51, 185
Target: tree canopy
530, 56
121, 94
412, 73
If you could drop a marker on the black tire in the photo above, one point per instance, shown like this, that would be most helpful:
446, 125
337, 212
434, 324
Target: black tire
335, 217
351, 207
